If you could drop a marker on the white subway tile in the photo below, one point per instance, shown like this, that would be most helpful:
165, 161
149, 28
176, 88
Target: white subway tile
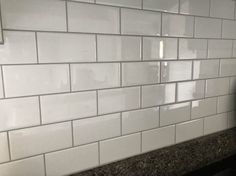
222, 9
91, 1
161, 5
103, 19
35, 79
234, 48
118, 48
215, 123
140, 73
4, 152
177, 25
203, 108
30, 166
233, 85
159, 48
62, 107
97, 128
18, 48
192, 48
120, 148
34, 15
122, 3
195, 7
226, 103
205, 69
189, 130
176, 71
72, 160
1, 84
213, 29
190, 90
216, 87
140, 22
232, 119
95, 76
220, 48
227, 67
158, 138
62, 47
140, 120
158, 94
176, 113
38, 140
115, 100
19, 113
229, 27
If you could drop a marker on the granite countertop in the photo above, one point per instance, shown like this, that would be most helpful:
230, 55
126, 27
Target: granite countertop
174, 160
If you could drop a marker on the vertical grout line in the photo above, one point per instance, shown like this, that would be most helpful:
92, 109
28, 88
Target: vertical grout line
232, 50
141, 141
99, 154
209, 13
234, 10
67, 25
161, 32
121, 128
9, 146
44, 161
140, 98
221, 28
40, 110
97, 102
72, 134
37, 48
3, 85
176, 92
178, 41
192, 71
120, 20
179, 6
141, 48
194, 24
191, 105
142, 4
96, 47
70, 78
203, 126
175, 133
1, 23
207, 49
121, 75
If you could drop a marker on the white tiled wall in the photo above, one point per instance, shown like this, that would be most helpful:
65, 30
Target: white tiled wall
84, 83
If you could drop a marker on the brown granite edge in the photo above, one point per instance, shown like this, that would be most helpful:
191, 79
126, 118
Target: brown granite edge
174, 160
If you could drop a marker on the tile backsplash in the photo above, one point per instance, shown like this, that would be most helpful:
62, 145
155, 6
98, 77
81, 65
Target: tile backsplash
88, 82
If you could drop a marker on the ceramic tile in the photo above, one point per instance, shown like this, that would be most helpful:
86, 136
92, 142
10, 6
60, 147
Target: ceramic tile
19, 47
95, 76
62, 47
119, 148
158, 138
176, 71
91, 1
122, 3
86, 158
29, 166
219, 48
193, 7
232, 119
103, 19
216, 87
192, 48
140, 120
118, 48
161, 5
158, 94
227, 67
1, 85
222, 9
34, 15
140, 73
205, 69
19, 113
159, 48
176, 113
96, 128
189, 130
226, 103
228, 29
140, 22
4, 152
203, 108
177, 25
233, 85
213, 29
40, 140
62, 107
234, 48
35, 79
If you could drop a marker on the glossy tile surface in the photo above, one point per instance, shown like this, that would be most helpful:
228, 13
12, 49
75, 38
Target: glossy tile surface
19, 47
228, 29
115, 100
61, 47
222, 9
154, 95
193, 7
205, 69
215, 87
40, 140
1, 85
161, 5
94, 76
176, 71
177, 25
140, 22
56, 108
102, 20
50, 15
226, 103
118, 148
140, 120
227, 67
116, 48
232, 84
219, 48
140, 73
35, 79
122, 3
96, 128
176, 113
4, 152
19, 112
159, 48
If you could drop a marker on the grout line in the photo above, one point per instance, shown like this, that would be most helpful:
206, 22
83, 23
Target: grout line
141, 142
3, 84
141, 49
209, 10
99, 154
9, 146
70, 77
221, 29
40, 110
67, 19
178, 49
97, 112
44, 161
37, 48
1, 24
96, 47
179, 6
72, 134
120, 21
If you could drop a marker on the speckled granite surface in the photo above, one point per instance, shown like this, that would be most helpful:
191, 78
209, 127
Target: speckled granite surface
175, 160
